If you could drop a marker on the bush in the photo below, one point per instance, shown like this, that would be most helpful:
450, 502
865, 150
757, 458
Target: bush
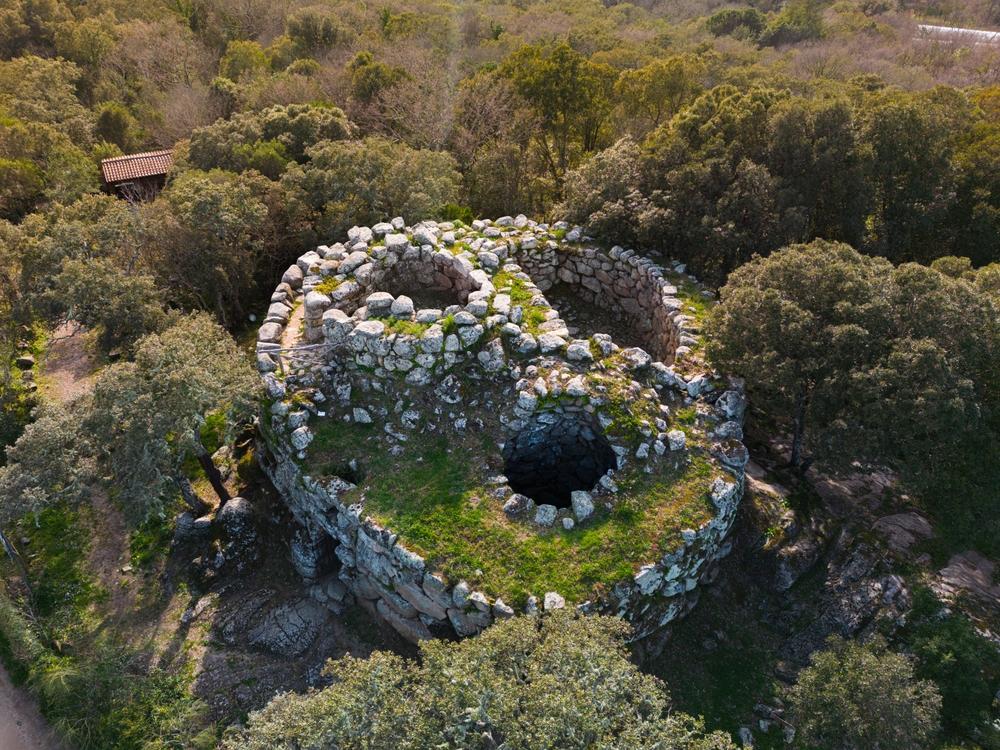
603, 193
964, 665
362, 182
742, 23
563, 681
19, 645
856, 695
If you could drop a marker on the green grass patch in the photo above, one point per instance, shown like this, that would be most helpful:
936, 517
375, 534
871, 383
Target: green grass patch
695, 304
724, 682
403, 327
56, 555
433, 498
150, 541
328, 285
520, 294
630, 414
687, 415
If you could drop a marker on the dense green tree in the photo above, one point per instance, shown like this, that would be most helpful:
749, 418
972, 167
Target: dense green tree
572, 96
491, 140
243, 141
96, 226
864, 360
40, 165
742, 23
974, 223
371, 77
148, 414
88, 42
712, 199
362, 182
115, 124
22, 187
955, 268
603, 192
35, 89
854, 696
560, 681
988, 280
657, 91
314, 30
15, 400
209, 232
814, 155
29, 26
99, 294
243, 60
799, 20
796, 325
906, 160
51, 463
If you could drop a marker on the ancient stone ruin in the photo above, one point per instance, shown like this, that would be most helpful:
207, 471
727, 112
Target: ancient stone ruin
455, 448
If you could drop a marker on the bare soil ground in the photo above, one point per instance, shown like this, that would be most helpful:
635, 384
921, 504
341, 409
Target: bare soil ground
70, 364
68, 372
21, 726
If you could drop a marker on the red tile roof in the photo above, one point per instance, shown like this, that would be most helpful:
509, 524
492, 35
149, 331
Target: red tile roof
134, 166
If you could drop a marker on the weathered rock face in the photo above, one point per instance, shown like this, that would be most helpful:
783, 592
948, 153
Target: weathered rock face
239, 530
563, 441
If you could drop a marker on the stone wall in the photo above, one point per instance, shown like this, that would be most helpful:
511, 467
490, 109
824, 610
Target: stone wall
391, 581
623, 283
349, 321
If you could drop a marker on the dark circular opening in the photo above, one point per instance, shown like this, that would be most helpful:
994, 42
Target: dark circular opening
555, 455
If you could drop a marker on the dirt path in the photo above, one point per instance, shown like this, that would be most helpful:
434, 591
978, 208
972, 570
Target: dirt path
290, 336
68, 372
21, 726
69, 365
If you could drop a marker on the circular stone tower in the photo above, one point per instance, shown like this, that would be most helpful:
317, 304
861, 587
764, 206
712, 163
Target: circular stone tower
468, 422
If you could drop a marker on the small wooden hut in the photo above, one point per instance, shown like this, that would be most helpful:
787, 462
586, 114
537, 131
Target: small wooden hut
136, 177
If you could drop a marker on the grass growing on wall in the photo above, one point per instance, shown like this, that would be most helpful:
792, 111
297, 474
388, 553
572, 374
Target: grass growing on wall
435, 497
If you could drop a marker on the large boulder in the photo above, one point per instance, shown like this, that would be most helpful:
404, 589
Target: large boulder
239, 530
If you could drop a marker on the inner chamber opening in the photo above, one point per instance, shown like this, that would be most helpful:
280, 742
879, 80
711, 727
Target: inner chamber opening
555, 455
430, 284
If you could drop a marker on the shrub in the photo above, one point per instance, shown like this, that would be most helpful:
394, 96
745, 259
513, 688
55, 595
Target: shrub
743, 23
603, 193
964, 665
562, 681
856, 695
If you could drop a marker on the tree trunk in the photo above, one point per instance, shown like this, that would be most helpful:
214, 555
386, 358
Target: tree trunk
801, 401
214, 477
195, 503
22, 569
